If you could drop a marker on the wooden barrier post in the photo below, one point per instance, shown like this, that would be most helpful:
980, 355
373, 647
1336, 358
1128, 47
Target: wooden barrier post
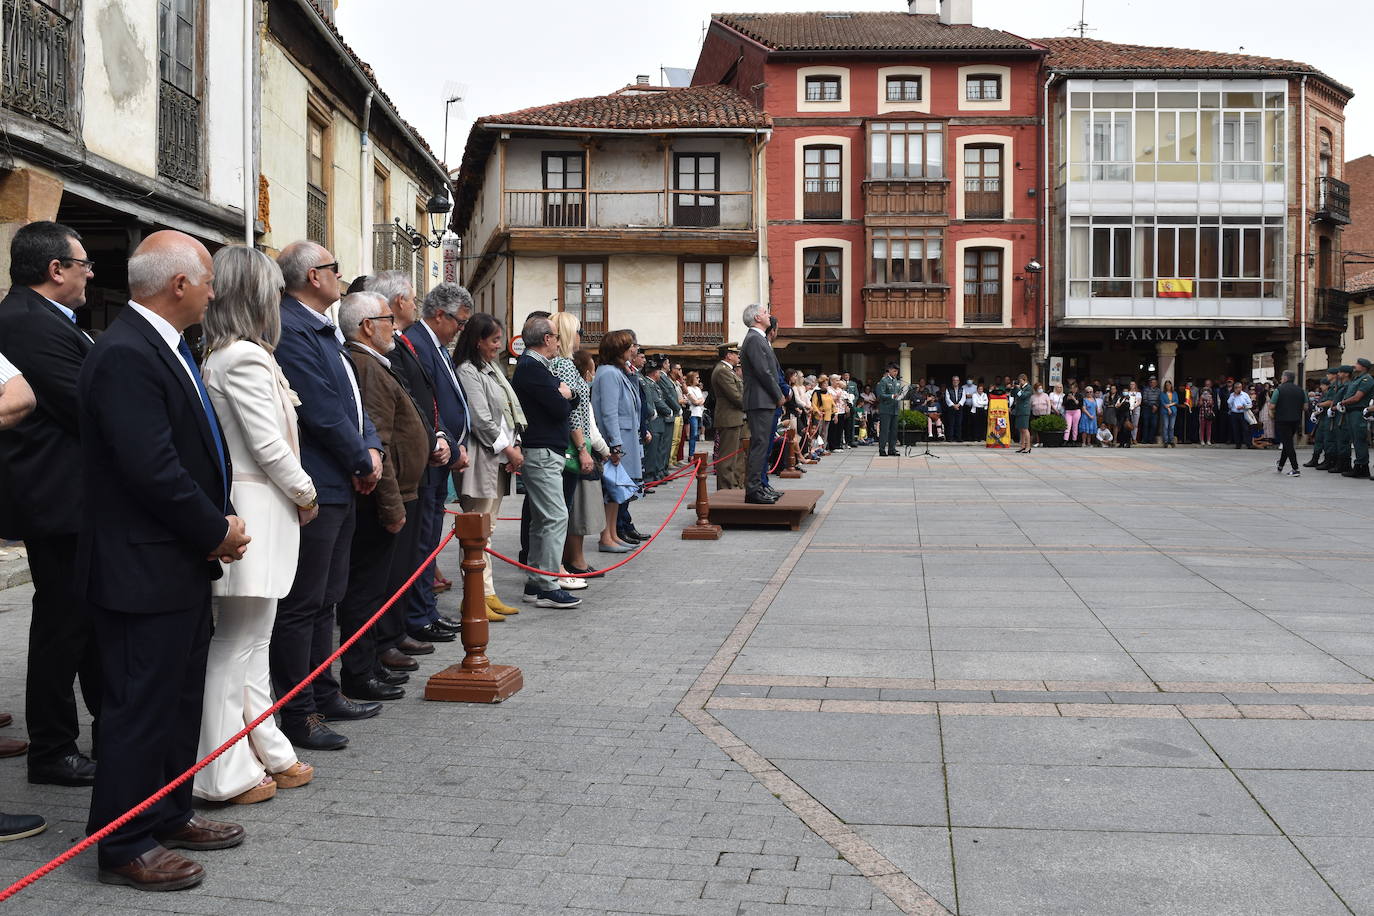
703, 530
788, 473
476, 680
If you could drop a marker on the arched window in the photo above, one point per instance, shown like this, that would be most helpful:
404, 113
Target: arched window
822, 190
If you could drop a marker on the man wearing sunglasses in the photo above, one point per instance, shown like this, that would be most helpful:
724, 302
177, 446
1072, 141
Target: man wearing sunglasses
342, 453
41, 494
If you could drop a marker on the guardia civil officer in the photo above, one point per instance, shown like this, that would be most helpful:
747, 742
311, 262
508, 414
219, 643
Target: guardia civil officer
1322, 431
1337, 442
1357, 398
889, 392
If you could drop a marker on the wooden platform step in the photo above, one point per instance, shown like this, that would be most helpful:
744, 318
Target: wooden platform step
729, 508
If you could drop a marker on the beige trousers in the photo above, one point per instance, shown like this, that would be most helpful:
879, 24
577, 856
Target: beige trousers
493, 508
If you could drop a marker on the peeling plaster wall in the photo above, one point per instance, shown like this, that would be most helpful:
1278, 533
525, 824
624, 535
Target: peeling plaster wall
120, 83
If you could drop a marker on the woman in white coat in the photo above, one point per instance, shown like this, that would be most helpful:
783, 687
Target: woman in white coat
274, 496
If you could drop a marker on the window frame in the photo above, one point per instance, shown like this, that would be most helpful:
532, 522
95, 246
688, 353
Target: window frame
319, 115
906, 235
903, 78
684, 265
839, 280
171, 36
980, 253
930, 128
983, 78
704, 219
837, 178
818, 79
571, 204
591, 334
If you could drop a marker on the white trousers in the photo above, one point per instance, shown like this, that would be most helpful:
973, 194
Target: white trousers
492, 507
237, 690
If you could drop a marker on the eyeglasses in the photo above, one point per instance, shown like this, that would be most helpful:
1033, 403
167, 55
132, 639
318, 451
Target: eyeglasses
332, 265
378, 318
84, 262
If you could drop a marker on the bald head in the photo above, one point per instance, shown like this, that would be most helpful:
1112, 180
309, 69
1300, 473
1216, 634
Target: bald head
171, 273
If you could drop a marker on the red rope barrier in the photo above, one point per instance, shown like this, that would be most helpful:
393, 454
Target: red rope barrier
637, 550
782, 450
166, 790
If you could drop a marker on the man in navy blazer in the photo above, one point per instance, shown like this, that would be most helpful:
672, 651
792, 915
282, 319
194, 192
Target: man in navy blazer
443, 316
156, 526
342, 453
40, 464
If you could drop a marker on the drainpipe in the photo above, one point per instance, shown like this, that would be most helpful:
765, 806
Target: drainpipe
1302, 235
760, 215
250, 172
1045, 231
367, 176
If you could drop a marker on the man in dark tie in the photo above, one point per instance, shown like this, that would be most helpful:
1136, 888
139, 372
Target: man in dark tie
342, 453
762, 396
156, 526
40, 469
445, 312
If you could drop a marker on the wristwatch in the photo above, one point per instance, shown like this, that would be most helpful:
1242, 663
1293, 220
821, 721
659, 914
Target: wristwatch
314, 504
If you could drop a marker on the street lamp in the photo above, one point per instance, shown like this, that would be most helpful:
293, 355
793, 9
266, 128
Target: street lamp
438, 205
1033, 269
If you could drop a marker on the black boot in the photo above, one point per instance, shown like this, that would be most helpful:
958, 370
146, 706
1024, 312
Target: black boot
1339, 466
1316, 460
1359, 471
1328, 462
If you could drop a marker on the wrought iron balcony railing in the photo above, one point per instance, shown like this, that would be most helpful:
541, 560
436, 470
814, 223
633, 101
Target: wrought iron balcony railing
178, 136
1333, 201
37, 62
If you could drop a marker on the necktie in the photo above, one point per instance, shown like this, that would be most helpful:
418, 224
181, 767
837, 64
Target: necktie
184, 350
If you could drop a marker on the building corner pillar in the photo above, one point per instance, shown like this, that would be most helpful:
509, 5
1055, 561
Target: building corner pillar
904, 363
1166, 352
26, 195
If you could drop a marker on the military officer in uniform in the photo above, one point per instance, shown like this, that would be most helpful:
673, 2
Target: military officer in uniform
1337, 445
1322, 430
889, 392
728, 418
672, 397
660, 420
1356, 399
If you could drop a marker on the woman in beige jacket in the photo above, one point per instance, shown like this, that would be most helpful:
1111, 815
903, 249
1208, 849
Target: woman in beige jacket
274, 496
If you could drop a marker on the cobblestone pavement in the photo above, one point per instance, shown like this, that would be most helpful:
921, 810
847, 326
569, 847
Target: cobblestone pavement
1080, 681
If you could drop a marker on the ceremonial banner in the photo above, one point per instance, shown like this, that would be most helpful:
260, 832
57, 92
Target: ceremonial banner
999, 422
1174, 288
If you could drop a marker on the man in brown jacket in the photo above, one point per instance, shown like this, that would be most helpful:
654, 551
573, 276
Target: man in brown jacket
408, 440
728, 418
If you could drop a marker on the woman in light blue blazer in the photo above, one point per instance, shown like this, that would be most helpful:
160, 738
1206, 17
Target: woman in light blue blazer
615, 404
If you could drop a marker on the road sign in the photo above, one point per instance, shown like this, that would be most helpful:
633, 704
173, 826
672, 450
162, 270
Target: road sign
517, 345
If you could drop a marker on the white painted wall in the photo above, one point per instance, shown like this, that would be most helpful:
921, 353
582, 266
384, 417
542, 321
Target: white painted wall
223, 98
120, 82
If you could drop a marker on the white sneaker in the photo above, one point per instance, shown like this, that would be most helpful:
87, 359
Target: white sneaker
572, 583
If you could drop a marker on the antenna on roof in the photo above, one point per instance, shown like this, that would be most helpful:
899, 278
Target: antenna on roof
1082, 24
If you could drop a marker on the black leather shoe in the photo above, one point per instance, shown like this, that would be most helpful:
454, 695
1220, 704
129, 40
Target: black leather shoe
341, 708
72, 770
447, 624
314, 735
638, 535
626, 537
372, 689
776, 494
760, 498
432, 633
387, 676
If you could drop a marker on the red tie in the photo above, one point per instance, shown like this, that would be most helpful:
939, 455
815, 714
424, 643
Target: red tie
434, 404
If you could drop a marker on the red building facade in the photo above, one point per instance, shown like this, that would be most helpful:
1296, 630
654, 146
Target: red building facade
902, 185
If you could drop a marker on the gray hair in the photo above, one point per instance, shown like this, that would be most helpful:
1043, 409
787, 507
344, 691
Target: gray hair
448, 298
151, 271
390, 284
752, 313
1289, 375
355, 307
247, 303
535, 330
297, 260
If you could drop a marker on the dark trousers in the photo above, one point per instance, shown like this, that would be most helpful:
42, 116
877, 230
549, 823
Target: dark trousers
953, 420
524, 556
154, 680
61, 649
303, 634
369, 565
1149, 423
422, 608
404, 560
974, 424
760, 440
887, 433
1240, 430
1287, 429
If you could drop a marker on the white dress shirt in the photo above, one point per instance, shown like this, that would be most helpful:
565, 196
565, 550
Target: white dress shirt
7, 370
170, 335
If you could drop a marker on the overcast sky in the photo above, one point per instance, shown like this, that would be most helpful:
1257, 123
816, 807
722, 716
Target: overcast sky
518, 53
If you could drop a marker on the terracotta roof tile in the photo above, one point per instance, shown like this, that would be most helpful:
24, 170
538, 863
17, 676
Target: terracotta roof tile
821, 31
1091, 54
1360, 283
635, 108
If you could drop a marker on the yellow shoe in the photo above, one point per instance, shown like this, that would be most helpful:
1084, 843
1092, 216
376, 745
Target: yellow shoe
496, 604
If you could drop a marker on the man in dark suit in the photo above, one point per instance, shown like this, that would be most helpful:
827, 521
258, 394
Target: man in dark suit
342, 453
762, 396
40, 466
445, 313
393, 642
156, 526
1290, 406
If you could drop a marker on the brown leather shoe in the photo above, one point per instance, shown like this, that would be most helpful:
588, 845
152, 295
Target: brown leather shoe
411, 646
6, 720
13, 747
397, 660
203, 833
158, 869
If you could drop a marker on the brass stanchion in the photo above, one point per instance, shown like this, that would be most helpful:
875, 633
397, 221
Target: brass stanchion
476, 680
703, 530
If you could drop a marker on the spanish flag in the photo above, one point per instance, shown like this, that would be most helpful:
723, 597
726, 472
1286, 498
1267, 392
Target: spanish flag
1174, 288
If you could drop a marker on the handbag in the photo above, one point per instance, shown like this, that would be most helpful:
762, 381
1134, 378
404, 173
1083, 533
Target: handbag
1250, 417
571, 463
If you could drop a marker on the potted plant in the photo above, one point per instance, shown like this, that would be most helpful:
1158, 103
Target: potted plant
911, 425
1050, 429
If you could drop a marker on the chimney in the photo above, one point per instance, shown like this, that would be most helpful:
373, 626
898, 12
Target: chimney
642, 79
956, 12
923, 7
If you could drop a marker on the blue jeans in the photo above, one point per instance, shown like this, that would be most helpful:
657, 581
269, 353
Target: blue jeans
1149, 424
693, 430
1169, 418
543, 473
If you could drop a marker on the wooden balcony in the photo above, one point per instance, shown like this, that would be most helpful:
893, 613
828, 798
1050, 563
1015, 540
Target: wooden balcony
1333, 307
894, 202
1333, 201
907, 310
